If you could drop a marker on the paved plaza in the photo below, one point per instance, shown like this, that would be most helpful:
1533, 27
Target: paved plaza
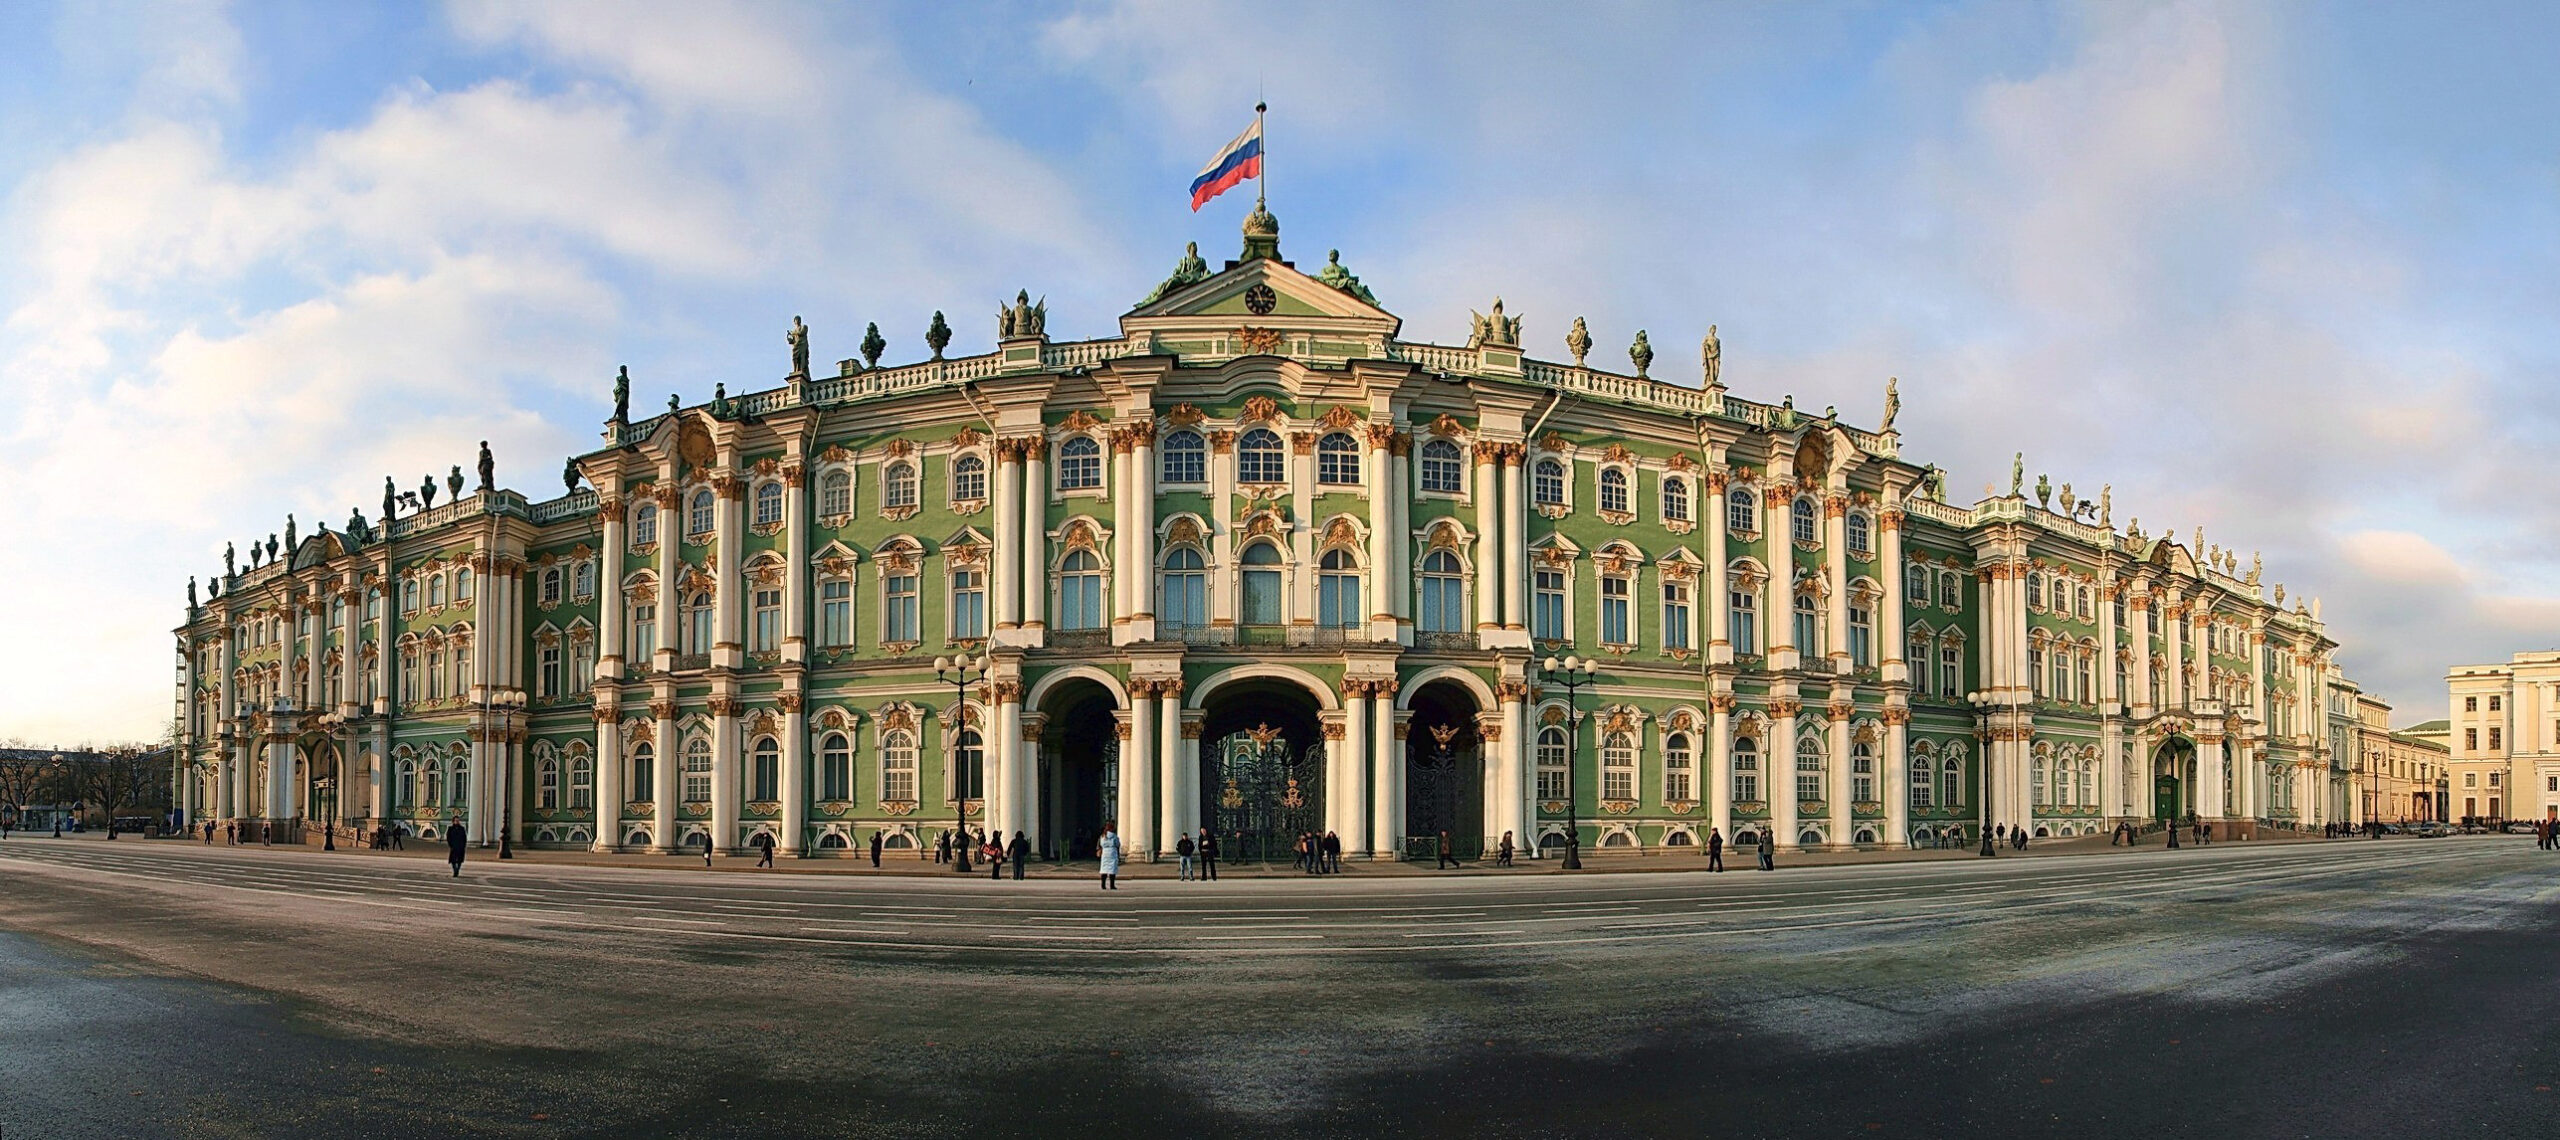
173, 989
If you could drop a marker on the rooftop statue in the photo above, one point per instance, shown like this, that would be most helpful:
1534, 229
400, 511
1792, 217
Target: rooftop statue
389, 499
1022, 318
191, 591
1641, 352
2107, 505
357, 532
1334, 275
1578, 341
2044, 490
427, 492
1785, 420
1892, 401
798, 338
675, 403
488, 468
453, 483
2257, 567
288, 532
1188, 271
622, 396
938, 334
1711, 357
1497, 330
569, 475
2017, 473
873, 344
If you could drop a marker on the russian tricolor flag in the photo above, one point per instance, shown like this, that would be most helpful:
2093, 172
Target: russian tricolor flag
1242, 159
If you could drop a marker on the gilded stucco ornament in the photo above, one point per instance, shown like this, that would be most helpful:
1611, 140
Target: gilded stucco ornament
1343, 280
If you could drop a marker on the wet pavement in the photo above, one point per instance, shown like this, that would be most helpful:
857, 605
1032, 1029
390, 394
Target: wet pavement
169, 989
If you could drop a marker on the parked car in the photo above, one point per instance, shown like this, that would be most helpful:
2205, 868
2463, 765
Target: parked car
2519, 827
2430, 830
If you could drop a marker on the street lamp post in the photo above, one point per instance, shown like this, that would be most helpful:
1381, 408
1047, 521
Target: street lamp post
1572, 673
956, 672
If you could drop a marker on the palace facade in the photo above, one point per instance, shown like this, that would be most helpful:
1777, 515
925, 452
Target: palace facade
1254, 564
2503, 739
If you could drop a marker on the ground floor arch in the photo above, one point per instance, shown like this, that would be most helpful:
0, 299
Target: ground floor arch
2173, 773
1444, 770
1262, 766
1077, 769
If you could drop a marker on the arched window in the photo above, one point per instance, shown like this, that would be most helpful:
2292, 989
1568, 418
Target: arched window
582, 781
698, 631
1185, 590
898, 484
2088, 783
1950, 591
697, 771
1259, 458
642, 787
435, 590
550, 587
1675, 499
1741, 515
1920, 783
1860, 540
901, 619
1079, 464
765, 777
1338, 591
1080, 591
462, 585
1442, 467
1262, 601
1547, 483
1618, 767
582, 581
2037, 787
405, 790
1862, 772
835, 494
2035, 591
457, 785
1915, 581
898, 767
1742, 620
1338, 460
969, 759
2084, 663
431, 782
835, 768
1676, 771
1444, 594
1553, 753
1951, 781
769, 505
1805, 520
1186, 458
697, 518
546, 784
644, 524
1746, 770
1809, 769
2088, 607
1613, 489
1808, 626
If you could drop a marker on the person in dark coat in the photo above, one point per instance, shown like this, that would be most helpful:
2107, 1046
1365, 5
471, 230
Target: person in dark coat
1332, 853
1768, 849
1502, 854
994, 853
942, 848
1186, 850
1448, 854
764, 849
455, 838
1021, 853
1208, 855
1715, 849
875, 849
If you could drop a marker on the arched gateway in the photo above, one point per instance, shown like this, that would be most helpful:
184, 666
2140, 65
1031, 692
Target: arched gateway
1263, 764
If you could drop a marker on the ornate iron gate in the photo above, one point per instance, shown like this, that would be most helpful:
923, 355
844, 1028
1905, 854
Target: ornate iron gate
1439, 793
1260, 794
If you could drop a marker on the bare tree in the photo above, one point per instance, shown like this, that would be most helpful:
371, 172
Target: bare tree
118, 777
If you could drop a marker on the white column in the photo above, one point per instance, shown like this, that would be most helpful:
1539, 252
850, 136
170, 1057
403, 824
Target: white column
1121, 579
1491, 576
2137, 611
671, 522
1399, 483
1897, 776
664, 787
1779, 757
1035, 536
1524, 804
795, 776
1717, 605
1138, 766
1141, 525
482, 817
1892, 639
1384, 584
1356, 793
1840, 785
608, 785
2176, 652
1835, 610
1719, 767
1386, 773
610, 603
795, 567
1515, 552
1007, 572
1175, 795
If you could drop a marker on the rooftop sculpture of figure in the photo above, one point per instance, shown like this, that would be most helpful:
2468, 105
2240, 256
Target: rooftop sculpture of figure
1711, 357
1892, 401
799, 340
488, 468
622, 395
1188, 271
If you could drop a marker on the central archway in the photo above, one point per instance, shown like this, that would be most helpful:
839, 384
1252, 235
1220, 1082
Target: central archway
1078, 769
2173, 767
1444, 773
1262, 767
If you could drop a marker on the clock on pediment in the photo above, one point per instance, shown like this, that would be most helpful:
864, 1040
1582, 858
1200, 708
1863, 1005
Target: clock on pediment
1260, 300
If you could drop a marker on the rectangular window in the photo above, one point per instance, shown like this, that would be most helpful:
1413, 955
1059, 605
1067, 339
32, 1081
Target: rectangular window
898, 620
1916, 651
1185, 600
2493, 704
835, 613
968, 604
2471, 704
1338, 601
2494, 734
551, 670
1613, 613
1546, 616
1918, 587
583, 667
1675, 616
1742, 622
1950, 671
2470, 740
768, 621
1862, 625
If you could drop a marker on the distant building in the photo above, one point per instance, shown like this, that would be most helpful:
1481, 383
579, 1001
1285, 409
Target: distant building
2504, 738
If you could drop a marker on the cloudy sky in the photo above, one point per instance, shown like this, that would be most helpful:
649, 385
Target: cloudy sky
2283, 271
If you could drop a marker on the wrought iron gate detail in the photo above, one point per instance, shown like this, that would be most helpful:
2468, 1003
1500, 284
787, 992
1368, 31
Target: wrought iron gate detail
1259, 794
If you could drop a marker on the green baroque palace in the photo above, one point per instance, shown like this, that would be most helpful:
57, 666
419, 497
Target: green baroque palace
1259, 566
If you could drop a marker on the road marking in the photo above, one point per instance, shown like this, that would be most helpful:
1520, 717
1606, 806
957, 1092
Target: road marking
1457, 933
1253, 937
1053, 937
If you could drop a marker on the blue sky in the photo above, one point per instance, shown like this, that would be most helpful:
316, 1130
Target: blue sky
2283, 271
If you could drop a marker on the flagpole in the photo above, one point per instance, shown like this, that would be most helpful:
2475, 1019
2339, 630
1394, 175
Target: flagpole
1262, 170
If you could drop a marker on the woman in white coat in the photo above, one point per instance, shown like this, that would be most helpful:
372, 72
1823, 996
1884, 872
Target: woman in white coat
1110, 851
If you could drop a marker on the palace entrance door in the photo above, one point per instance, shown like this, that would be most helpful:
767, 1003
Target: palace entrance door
1444, 775
1261, 791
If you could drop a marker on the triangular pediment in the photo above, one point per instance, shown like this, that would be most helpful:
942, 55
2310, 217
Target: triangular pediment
1227, 300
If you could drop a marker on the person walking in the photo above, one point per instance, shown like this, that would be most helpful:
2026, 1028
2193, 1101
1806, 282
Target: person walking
1109, 850
399, 837
1208, 855
1448, 854
942, 848
1715, 849
764, 848
1021, 852
1768, 849
1332, 853
994, 853
454, 839
875, 849
1183, 849
1298, 855
1502, 854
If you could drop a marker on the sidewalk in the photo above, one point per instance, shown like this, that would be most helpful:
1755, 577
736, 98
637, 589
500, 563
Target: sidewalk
907, 864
